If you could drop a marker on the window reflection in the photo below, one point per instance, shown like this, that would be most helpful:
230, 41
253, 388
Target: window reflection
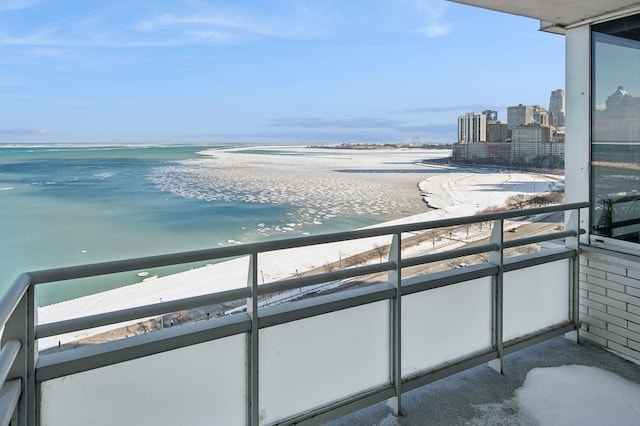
615, 133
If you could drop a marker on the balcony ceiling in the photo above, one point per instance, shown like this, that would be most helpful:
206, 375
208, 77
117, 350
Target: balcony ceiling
554, 13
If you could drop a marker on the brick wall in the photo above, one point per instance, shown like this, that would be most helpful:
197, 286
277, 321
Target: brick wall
610, 300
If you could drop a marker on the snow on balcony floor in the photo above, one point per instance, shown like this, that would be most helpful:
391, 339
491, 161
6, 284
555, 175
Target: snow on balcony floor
556, 382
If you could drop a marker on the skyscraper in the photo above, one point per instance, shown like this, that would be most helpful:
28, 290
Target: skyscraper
556, 108
518, 115
472, 127
526, 114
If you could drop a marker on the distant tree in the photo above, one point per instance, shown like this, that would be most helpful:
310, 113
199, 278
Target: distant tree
490, 209
381, 251
547, 198
556, 196
518, 201
180, 316
539, 200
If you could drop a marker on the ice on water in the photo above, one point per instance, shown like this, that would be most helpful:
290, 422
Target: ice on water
315, 191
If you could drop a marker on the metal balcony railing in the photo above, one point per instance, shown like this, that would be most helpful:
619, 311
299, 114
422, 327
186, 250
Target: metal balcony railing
30, 379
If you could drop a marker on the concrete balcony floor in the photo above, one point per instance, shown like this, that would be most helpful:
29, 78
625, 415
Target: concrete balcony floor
480, 396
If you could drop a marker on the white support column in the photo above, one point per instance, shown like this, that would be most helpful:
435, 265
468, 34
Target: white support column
578, 124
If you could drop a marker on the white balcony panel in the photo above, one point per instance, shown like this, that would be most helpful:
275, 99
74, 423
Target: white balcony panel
445, 323
535, 298
311, 362
195, 385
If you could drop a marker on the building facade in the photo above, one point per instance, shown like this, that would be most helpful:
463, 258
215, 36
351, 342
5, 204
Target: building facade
556, 108
526, 114
518, 115
530, 141
472, 127
483, 152
497, 131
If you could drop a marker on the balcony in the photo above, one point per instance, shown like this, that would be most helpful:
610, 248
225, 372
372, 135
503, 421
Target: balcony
387, 327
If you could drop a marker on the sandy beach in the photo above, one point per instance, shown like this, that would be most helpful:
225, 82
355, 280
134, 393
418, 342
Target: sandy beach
393, 183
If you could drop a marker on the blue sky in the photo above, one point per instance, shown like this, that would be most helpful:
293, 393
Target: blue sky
296, 71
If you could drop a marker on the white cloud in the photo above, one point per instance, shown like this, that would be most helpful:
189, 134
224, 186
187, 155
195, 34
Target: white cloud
432, 12
435, 30
294, 23
195, 23
210, 35
8, 81
22, 132
7, 5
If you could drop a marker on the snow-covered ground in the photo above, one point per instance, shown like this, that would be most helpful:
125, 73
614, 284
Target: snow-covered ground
579, 395
452, 191
566, 395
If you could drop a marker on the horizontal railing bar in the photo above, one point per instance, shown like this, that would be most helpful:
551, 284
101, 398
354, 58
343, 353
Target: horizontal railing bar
540, 336
115, 317
12, 297
335, 410
83, 271
440, 372
126, 265
410, 286
9, 397
65, 363
8, 355
448, 255
539, 238
89, 357
538, 258
446, 278
295, 283
509, 214
325, 304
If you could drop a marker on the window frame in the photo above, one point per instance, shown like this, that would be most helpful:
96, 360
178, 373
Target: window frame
597, 35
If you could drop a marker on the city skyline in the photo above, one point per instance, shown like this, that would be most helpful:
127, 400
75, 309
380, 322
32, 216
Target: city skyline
282, 71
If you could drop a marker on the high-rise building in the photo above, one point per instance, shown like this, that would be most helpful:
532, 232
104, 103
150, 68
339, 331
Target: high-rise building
518, 115
620, 120
491, 115
540, 115
472, 127
526, 114
529, 141
497, 131
556, 108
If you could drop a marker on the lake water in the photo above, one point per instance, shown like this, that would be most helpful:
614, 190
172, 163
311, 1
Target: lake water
64, 206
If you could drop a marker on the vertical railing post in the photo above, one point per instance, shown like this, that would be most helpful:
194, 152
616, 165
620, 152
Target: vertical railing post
497, 258
21, 326
32, 395
395, 279
253, 349
33, 403
573, 223
17, 328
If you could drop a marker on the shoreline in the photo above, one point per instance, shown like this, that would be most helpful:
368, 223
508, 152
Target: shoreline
453, 191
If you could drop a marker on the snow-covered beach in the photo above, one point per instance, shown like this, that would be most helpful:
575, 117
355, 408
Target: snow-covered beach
369, 180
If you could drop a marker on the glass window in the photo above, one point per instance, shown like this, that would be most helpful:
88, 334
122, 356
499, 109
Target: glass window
615, 132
